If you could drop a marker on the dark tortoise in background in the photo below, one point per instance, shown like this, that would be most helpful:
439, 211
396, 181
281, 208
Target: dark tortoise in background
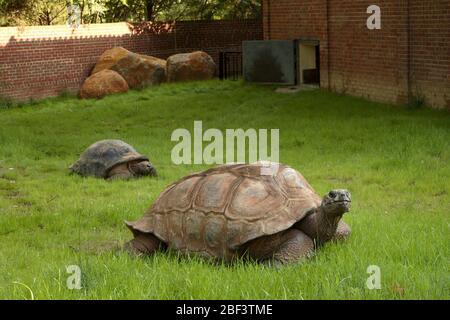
237, 211
113, 159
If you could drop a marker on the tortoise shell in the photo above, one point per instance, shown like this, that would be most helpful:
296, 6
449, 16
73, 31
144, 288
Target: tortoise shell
214, 212
103, 155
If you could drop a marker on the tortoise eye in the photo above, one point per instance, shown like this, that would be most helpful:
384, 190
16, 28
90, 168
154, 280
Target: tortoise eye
332, 194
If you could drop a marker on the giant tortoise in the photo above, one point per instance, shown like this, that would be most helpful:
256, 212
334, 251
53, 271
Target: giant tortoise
242, 210
112, 159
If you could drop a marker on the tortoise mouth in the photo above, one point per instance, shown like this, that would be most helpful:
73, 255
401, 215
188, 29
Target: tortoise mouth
338, 206
342, 201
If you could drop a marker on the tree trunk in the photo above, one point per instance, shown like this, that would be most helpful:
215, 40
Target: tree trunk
149, 10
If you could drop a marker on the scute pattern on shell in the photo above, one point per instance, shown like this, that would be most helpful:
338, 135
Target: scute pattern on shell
100, 157
218, 210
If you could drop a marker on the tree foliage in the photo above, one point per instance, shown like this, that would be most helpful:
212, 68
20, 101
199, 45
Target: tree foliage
27, 12
48, 12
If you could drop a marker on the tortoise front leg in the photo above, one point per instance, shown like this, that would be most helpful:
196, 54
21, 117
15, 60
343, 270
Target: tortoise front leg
281, 248
120, 172
143, 244
342, 232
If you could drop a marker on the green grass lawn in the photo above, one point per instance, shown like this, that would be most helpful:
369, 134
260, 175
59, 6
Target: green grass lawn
396, 163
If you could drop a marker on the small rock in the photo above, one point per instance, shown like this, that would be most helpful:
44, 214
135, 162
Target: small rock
103, 83
190, 66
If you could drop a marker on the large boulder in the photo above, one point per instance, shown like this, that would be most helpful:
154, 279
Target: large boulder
138, 70
190, 66
103, 83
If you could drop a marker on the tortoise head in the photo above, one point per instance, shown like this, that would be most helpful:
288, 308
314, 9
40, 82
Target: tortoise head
337, 202
142, 168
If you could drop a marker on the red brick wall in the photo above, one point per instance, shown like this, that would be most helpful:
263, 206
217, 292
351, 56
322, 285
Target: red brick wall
37, 62
430, 50
372, 63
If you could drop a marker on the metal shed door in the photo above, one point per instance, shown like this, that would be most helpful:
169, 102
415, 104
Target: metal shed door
269, 61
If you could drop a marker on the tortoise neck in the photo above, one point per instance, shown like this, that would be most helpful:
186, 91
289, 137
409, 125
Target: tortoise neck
327, 223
